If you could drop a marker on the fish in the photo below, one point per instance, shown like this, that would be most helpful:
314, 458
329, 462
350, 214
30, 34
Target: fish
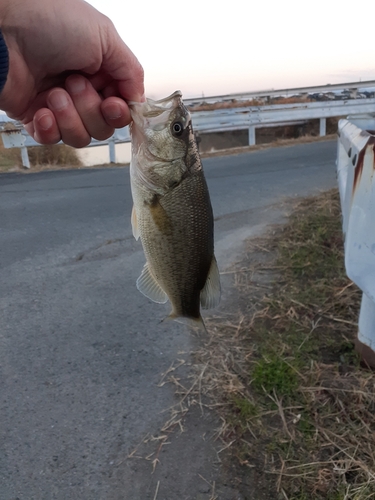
172, 213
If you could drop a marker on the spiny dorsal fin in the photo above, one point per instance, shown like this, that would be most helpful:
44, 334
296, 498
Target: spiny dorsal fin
134, 222
210, 295
147, 285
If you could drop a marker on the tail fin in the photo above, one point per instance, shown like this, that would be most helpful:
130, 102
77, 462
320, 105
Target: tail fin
196, 324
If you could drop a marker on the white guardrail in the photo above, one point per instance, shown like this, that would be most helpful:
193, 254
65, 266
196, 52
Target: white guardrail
221, 120
254, 117
355, 170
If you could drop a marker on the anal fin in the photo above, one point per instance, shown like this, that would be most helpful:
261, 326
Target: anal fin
148, 285
211, 293
134, 222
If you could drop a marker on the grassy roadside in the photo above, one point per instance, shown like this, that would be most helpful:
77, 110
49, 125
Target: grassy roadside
297, 409
55, 157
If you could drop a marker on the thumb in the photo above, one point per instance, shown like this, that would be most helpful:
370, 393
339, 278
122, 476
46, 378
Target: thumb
121, 65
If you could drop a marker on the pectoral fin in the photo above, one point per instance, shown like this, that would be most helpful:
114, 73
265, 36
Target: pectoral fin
147, 285
210, 295
134, 222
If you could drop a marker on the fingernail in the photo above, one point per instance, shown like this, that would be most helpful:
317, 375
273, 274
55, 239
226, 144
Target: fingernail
58, 100
76, 84
45, 122
113, 111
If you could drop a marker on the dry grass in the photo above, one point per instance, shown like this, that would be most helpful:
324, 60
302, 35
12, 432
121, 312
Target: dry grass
52, 157
10, 159
297, 409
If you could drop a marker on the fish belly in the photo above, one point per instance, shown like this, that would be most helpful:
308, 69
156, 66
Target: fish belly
176, 231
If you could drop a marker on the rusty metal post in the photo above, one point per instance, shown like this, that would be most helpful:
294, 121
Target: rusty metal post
355, 170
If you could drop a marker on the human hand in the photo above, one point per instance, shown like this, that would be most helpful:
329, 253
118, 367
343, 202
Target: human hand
70, 74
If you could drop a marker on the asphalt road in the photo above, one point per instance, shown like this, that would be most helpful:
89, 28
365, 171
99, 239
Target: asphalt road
81, 350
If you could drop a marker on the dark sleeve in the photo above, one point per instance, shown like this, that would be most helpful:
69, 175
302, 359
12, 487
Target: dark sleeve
4, 62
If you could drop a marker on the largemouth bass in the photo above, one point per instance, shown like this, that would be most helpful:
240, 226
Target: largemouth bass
172, 212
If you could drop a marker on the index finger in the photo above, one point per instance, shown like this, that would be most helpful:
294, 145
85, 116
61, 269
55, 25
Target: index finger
121, 65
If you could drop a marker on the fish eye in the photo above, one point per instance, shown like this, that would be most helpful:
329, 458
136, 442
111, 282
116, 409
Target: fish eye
177, 129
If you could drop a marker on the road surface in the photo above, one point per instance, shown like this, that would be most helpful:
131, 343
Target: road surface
82, 351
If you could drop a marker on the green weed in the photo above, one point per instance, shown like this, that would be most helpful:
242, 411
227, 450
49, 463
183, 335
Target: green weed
274, 374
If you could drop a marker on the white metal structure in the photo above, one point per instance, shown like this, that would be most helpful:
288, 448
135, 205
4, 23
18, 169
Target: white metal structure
355, 169
253, 117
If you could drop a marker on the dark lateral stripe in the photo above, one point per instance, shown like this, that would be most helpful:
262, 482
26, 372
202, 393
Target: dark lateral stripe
4, 62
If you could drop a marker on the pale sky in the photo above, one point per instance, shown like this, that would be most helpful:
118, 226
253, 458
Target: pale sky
222, 47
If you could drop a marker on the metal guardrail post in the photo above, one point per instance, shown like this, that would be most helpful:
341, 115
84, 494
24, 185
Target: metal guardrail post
25, 157
252, 138
112, 149
322, 127
355, 170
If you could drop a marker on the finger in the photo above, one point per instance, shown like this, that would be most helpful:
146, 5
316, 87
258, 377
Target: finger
38, 103
103, 83
72, 129
116, 112
29, 127
126, 88
88, 105
122, 65
44, 127
111, 90
100, 80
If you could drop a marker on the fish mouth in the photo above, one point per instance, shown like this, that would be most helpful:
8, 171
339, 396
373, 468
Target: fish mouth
152, 109
160, 109
155, 114
168, 99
